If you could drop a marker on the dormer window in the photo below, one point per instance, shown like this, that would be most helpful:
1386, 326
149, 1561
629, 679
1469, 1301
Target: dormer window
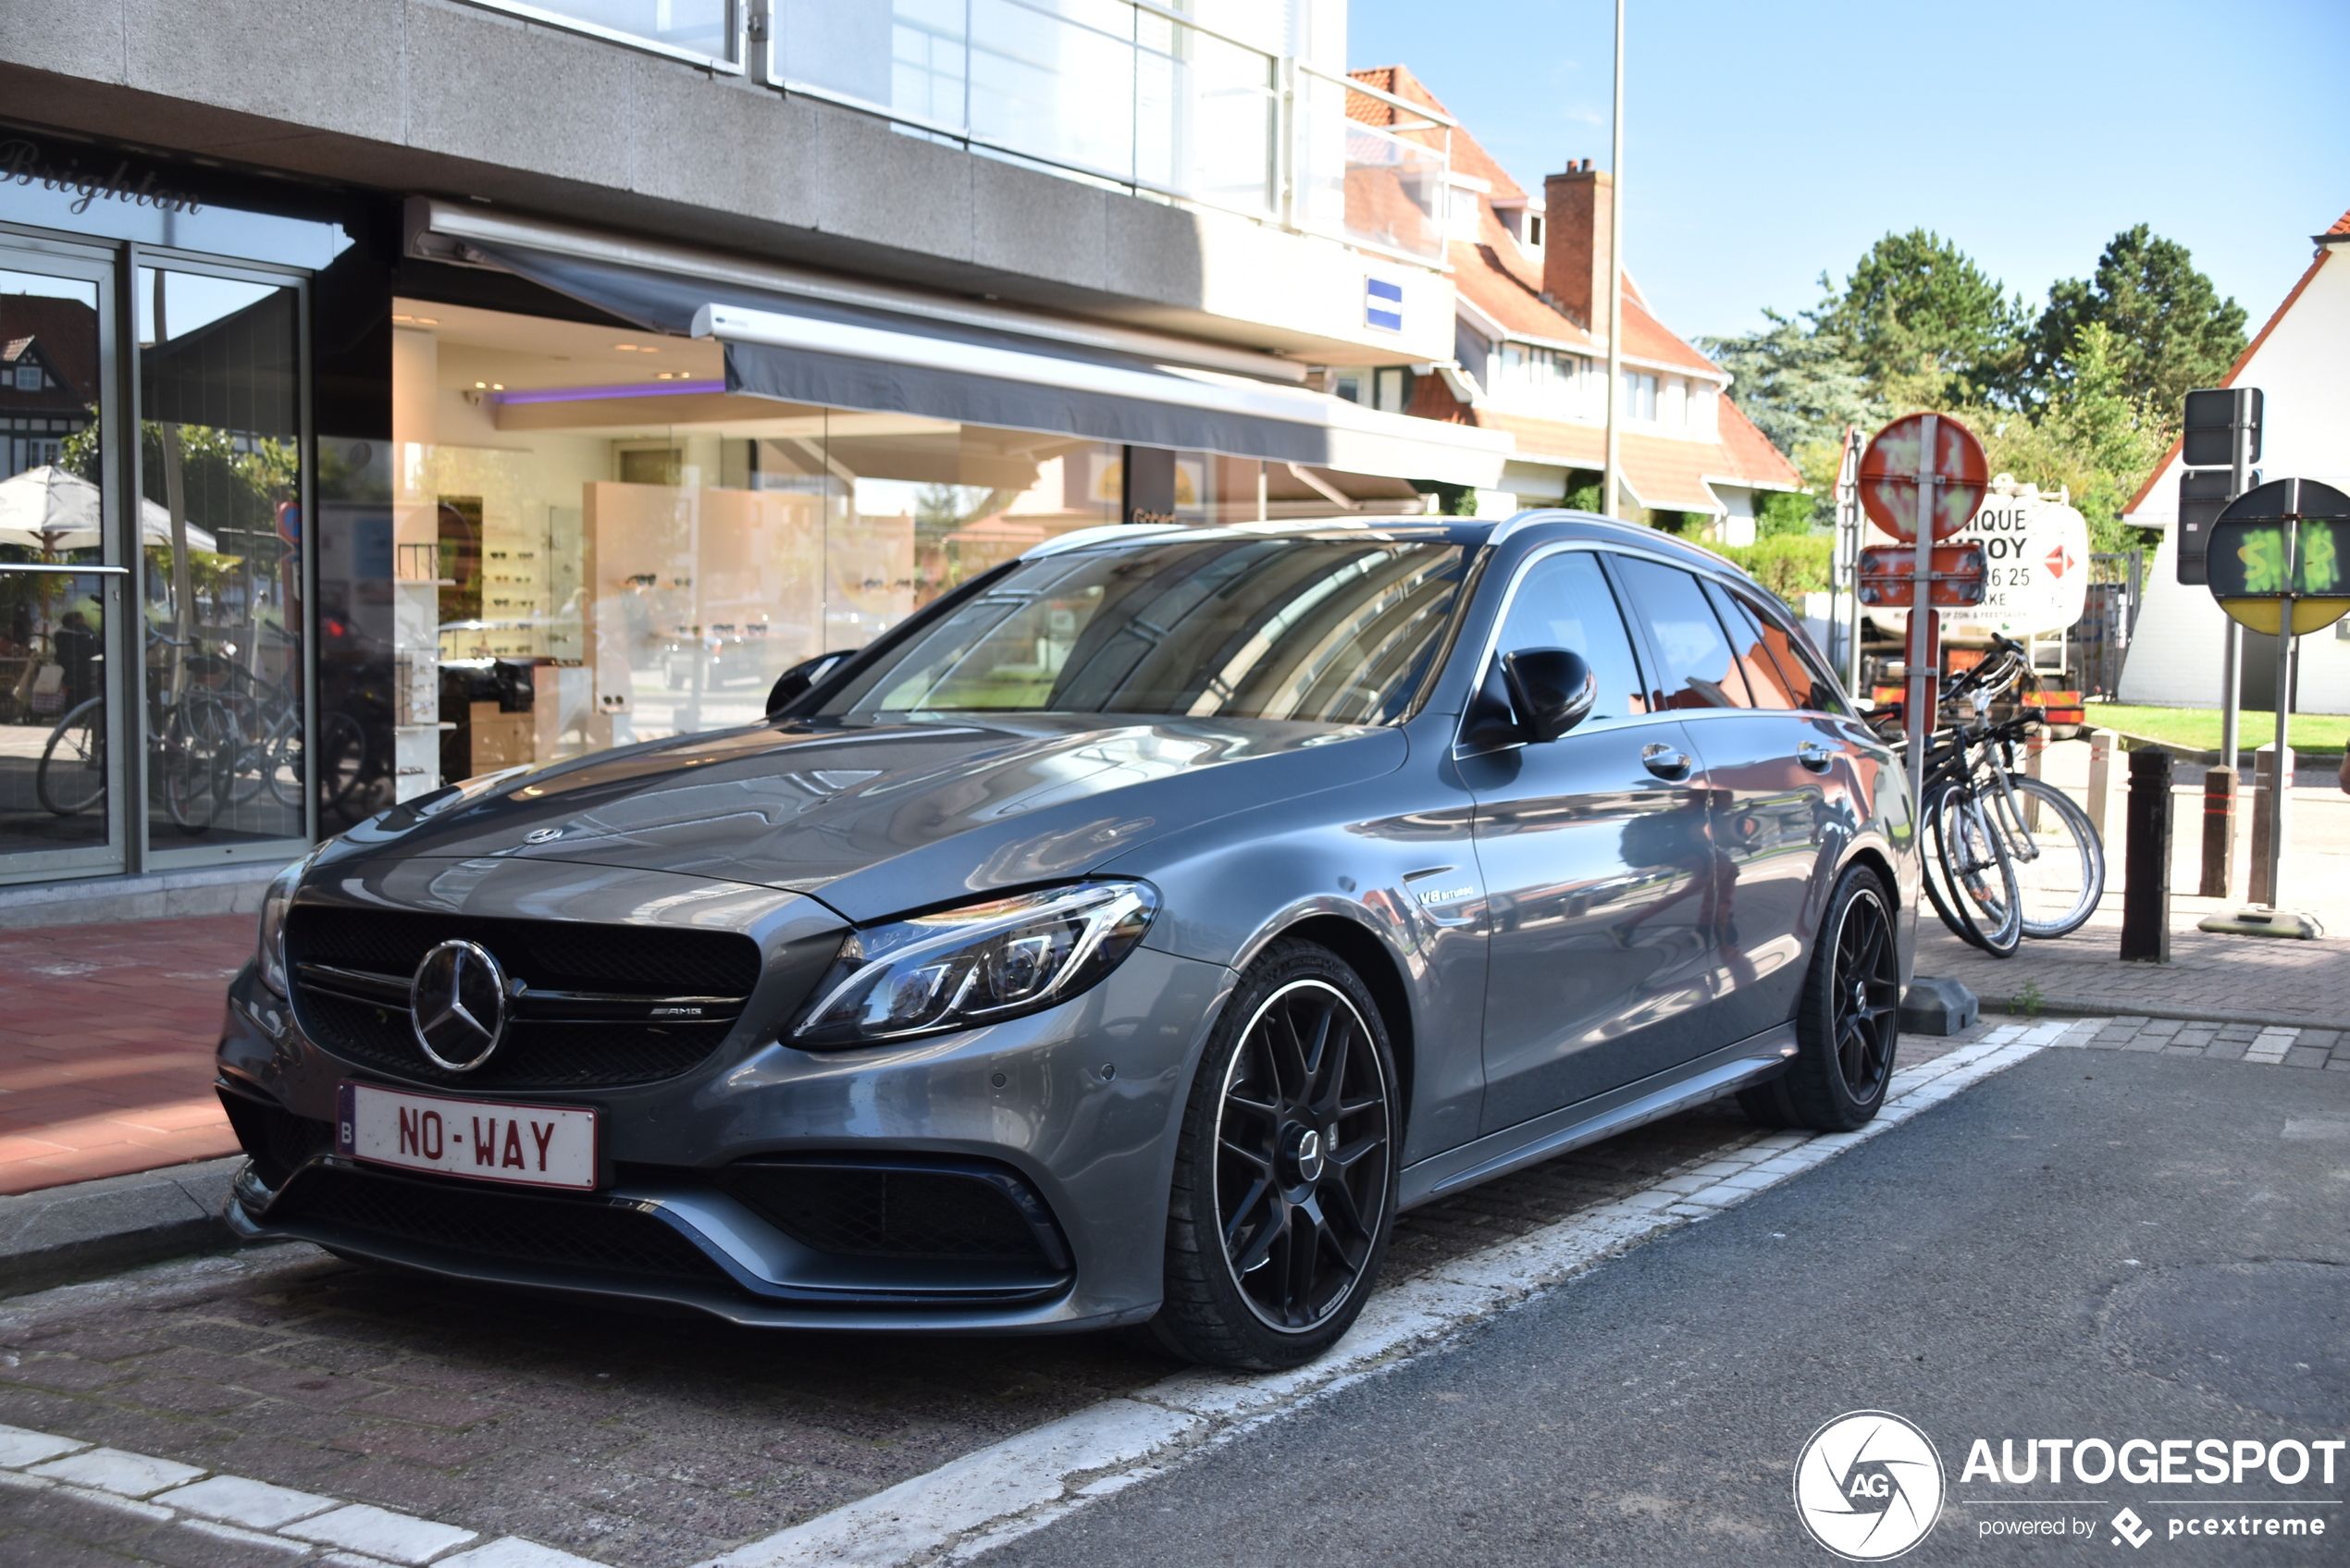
1533, 235
27, 379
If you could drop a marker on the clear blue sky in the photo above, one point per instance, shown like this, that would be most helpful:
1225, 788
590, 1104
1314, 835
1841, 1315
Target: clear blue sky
1766, 144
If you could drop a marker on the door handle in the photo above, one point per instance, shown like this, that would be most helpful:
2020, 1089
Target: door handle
1815, 756
1666, 762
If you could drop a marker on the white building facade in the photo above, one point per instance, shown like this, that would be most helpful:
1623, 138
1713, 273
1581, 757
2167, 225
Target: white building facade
2301, 362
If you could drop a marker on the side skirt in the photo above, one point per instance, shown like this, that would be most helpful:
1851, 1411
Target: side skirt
1603, 1115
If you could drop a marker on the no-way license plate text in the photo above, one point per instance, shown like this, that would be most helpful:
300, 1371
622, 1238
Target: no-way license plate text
521, 1145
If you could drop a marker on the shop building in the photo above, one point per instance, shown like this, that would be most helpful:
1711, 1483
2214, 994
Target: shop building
515, 381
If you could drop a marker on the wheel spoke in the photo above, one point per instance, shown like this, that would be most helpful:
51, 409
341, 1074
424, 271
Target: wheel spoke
1253, 1159
1250, 1202
1336, 1045
1268, 1235
1305, 1249
1352, 1154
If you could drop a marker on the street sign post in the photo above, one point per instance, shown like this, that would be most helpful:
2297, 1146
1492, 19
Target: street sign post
1922, 479
2279, 561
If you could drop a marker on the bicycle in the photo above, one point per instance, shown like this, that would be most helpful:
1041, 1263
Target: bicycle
2009, 857
196, 744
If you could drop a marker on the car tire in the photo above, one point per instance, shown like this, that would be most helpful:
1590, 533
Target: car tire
1849, 1025
1286, 1168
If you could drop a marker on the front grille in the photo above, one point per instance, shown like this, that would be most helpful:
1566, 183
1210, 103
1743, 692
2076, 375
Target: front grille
613, 963
550, 955
532, 1055
868, 1212
487, 1223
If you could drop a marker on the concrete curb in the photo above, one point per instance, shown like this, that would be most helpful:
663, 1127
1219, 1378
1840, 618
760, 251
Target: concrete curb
84, 1229
2116, 1007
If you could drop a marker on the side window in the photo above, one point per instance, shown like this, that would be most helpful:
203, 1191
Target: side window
1771, 679
1800, 661
1700, 668
1564, 601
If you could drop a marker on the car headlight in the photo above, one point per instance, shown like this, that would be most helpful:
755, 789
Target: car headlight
274, 903
975, 964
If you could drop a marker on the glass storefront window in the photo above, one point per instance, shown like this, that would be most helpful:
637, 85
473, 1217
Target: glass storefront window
219, 539
594, 543
56, 764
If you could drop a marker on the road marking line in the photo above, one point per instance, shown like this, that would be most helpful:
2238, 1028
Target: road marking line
1026, 1482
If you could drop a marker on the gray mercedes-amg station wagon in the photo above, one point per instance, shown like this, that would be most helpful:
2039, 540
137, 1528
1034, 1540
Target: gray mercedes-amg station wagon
1127, 937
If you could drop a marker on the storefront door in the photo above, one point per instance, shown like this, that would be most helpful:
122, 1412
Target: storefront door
63, 581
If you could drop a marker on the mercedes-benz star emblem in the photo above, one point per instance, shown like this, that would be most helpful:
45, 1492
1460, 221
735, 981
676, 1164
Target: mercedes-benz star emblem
542, 835
457, 1004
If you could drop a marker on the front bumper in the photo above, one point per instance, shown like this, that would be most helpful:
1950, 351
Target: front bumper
1078, 1105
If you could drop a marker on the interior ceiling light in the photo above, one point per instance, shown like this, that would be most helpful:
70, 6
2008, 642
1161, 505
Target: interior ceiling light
634, 349
416, 320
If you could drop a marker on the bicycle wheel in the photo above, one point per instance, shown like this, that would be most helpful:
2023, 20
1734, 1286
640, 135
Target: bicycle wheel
246, 747
1974, 857
343, 759
188, 764
72, 774
2060, 865
1938, 891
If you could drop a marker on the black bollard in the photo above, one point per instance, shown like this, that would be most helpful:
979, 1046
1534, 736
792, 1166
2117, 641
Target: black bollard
2146, 865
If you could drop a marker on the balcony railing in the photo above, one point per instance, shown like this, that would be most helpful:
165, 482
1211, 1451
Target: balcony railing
1132, 92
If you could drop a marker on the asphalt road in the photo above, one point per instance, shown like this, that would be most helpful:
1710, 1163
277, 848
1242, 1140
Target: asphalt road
2102, 1245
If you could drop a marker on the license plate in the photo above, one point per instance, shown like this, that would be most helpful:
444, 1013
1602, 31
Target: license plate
488, 1139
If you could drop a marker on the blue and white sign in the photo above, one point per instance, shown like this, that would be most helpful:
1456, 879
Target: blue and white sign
1383, 304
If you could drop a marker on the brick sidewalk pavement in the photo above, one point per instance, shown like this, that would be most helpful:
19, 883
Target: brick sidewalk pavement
2270, 980
107, 1034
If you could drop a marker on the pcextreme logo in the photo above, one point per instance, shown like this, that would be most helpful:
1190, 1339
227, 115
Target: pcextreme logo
1868, 1486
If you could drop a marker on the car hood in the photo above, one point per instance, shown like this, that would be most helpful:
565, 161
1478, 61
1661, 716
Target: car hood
878, 819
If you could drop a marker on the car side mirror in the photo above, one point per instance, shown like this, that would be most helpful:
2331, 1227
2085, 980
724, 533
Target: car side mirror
1551, 689
801, 678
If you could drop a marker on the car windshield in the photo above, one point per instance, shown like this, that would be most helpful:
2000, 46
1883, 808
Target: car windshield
1334, 631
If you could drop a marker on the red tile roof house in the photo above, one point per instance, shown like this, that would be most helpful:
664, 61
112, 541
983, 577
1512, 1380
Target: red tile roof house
1529, 276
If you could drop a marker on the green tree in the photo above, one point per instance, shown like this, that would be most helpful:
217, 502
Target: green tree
1923, 324
1799, 384
2094, 438
2171, 332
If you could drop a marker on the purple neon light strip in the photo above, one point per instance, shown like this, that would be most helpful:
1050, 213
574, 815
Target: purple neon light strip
597, 394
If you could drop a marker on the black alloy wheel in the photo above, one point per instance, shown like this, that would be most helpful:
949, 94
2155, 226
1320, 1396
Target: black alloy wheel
1851, 1023
1303, 1147
1286, 1179
1865, 993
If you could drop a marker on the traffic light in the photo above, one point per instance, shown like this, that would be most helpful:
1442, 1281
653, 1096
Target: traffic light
2222, 434
2214, 415
2204, 493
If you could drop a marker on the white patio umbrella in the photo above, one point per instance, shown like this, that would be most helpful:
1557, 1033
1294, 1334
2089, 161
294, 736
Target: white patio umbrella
51, 510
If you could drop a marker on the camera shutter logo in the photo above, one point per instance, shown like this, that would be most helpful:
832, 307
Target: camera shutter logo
1868, 1486
457, 1006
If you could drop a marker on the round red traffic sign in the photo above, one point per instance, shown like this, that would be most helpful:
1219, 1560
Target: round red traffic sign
1958, 475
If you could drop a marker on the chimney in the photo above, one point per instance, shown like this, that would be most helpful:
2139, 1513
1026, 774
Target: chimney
1575, 233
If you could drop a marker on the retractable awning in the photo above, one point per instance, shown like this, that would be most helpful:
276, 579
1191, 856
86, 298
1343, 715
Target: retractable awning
805, 349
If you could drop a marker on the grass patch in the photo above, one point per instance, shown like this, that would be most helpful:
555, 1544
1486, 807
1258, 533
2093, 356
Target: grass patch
2198, 729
